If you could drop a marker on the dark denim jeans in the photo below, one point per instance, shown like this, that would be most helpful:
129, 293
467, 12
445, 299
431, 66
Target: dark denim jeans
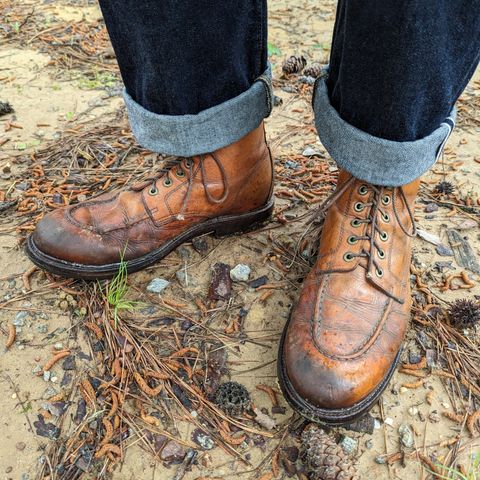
196, 77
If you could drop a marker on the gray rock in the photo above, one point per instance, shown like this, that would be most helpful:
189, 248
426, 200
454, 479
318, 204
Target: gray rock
49, 392
292, 164
348, 444
444, 251
46, 375
406, 436
157, 285
19, 319
185, 279
310, 152
41, 328
240, 273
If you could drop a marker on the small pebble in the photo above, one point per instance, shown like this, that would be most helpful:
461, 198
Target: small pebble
431, 207
46, 375
444, 251
369, 444
434, 417
19, 320
8, 469
49, 392
200, 244
403, 389
412, 411
380, 459
185, 279
406, 436
58, 346
445, 405
292, 164
20, 446
157, 285
310, 152
388, 421
14, 396
348, 444
41, 328
63, 305
240, 273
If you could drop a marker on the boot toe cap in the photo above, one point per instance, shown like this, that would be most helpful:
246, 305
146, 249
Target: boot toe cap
325, 384
56, 237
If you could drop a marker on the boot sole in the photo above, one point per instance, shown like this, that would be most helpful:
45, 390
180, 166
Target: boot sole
334, 416
219, 226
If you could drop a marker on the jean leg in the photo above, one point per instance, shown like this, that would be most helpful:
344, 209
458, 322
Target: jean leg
396, 71
183, 58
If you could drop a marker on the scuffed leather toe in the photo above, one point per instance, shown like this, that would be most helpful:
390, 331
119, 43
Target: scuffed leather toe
57, 237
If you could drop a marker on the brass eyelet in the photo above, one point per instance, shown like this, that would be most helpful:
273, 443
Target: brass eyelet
352, 240
167, 182
386, 217
348, 257
153, 191
381, 254
189, 162
386, 200
355, 223
379, 272
179, 173
359, 206
362, 190
384, 236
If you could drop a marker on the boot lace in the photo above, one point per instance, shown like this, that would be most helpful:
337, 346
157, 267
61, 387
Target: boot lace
184, 168
374, 237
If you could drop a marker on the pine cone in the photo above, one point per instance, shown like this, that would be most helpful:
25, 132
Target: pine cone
5, 108
323, 458
294, 64
464, 313
444, 188
232, 397
314, 70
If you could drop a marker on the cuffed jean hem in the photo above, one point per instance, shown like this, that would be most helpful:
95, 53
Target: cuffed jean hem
207, 131
373, 159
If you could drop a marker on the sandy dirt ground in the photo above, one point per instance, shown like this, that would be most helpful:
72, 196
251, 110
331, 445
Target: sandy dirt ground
53, 101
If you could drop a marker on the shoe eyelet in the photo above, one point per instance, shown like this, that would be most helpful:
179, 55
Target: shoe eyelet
355, 223
384, 236
352, 240
386, 217
379, 272
153, 191
180, 173
348, 257
189, 162
381, 254
386, 200
359, 206
167, 182
362, 190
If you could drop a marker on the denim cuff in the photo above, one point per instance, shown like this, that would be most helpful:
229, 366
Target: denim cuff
374, 159
207, 131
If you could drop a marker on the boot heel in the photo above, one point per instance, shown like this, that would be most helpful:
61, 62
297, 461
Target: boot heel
244, 223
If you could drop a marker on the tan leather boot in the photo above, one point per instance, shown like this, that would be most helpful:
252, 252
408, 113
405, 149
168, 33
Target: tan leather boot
344, 336
224, 192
